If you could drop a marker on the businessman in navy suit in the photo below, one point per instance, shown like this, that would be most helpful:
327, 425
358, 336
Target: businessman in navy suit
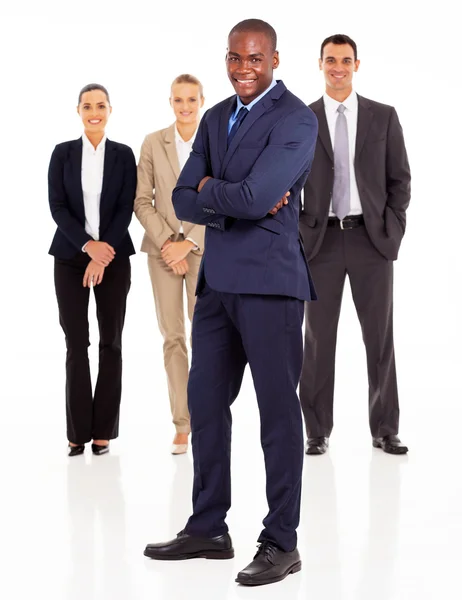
250, 150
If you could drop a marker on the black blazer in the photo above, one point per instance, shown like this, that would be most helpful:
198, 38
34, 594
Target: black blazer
382, 174
66, 198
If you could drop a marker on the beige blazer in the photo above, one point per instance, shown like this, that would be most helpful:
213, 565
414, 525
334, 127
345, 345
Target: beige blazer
158, 172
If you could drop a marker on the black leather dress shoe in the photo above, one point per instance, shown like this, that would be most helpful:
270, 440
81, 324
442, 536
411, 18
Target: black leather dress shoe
269, 565
98, 450
317, 445
186, 546
76, 450
391, 444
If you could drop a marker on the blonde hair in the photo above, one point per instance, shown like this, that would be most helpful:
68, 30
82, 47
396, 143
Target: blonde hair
186, 78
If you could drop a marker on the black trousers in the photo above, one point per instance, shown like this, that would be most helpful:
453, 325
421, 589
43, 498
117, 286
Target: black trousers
92, 416
349, 253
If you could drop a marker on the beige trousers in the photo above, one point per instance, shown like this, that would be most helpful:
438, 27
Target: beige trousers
168, 297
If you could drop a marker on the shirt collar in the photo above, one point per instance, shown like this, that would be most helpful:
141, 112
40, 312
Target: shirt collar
178, 137
252, 104
350, 103
89, 146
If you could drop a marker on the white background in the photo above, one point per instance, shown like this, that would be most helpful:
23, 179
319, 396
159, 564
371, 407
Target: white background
372, 525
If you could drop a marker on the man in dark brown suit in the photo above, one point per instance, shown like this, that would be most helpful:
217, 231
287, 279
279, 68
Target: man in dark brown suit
352, 222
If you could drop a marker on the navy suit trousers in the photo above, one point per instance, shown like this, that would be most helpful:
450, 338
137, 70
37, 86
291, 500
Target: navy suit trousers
230, 330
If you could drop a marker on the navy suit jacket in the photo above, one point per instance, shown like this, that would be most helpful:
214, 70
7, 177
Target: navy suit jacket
248, 251
66, 198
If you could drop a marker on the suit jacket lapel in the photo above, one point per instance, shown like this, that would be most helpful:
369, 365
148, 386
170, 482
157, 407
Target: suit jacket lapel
110, 157
226, 112
364, 121
323, 129
170, 150
75, 157
255, 113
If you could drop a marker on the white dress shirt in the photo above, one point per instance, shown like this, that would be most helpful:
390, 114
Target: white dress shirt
351, 114
92, 183
183, 150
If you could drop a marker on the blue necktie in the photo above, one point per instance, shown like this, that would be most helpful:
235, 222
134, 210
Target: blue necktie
241, 115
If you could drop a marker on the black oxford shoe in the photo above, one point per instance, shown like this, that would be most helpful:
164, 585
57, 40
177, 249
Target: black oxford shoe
76, 450
317, 445
270, 564
186, 546
391, 444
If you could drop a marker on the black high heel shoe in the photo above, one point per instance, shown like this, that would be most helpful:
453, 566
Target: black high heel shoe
98, 450
76, 450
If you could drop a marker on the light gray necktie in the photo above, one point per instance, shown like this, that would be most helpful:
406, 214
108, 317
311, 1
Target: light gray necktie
341, 190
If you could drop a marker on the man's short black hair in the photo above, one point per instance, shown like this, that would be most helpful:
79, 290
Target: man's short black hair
340, 39
259, 26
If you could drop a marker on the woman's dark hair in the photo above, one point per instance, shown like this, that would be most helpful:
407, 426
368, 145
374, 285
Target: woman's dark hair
93, 86
339, 39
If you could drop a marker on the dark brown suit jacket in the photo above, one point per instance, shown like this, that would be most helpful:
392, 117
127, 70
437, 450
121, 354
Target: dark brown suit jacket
382, 174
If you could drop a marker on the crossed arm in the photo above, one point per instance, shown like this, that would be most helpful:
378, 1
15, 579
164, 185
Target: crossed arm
199, 198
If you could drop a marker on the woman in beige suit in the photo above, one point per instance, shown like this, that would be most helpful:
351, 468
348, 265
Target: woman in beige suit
174, 248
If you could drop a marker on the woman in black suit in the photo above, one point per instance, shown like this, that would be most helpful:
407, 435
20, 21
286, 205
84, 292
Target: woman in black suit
92, 185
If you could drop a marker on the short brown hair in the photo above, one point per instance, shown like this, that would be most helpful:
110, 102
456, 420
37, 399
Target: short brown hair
187, 78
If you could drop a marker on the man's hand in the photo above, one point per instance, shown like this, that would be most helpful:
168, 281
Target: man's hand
203, 182
181, 268
93, 274
175, 252
100, 252
282, 202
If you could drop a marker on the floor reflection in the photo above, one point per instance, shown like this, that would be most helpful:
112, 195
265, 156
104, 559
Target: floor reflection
321, 558
97, 529
380, 554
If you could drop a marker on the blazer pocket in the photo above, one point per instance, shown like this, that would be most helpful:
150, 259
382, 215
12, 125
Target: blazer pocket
394, 227
252, 146
270, 224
